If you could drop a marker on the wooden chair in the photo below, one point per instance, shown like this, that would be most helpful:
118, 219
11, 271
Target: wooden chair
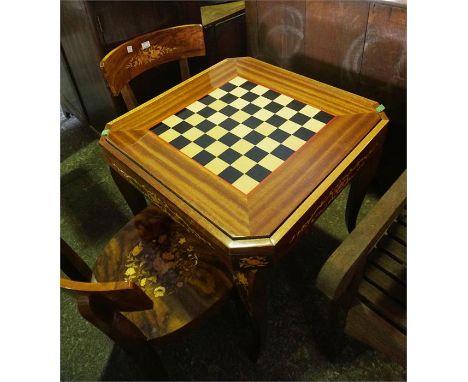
366, 276
136, 56
153, 280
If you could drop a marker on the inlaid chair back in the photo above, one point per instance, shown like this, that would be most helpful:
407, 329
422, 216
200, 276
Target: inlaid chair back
147, 51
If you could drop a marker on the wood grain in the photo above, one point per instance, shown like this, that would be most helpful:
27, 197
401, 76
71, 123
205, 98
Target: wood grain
190, 278
334, 39
338, 272
126, 296
164, 278
367, 326
280, 29
370, 284
393, 248
121, 65
251, 27
315, 204
234, 213
379, 301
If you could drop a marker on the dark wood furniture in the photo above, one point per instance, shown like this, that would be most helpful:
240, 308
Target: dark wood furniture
359, 46
90, 29
135, 57
225, 30
142, 53
153, 281
366, 276
250, 224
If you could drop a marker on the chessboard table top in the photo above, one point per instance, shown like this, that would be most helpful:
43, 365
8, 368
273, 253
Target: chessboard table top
243, 143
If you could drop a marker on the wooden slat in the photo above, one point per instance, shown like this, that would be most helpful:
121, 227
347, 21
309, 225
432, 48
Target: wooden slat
386, 283
393, 247
398, 231
368, 327
386, 307
389, 265
339, 270
402, 217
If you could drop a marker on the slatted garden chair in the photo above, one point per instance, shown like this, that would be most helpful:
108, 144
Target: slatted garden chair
366, 276
152, 281
138, 55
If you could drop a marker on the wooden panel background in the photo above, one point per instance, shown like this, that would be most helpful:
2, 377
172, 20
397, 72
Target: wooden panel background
280, 32
359, 46
80, 45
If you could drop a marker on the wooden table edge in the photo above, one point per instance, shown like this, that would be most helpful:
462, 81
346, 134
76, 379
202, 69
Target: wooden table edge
305, 206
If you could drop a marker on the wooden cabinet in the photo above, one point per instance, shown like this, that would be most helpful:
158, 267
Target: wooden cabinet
225, 31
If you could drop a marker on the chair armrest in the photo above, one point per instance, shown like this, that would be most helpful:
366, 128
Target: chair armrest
127, 296
342, 266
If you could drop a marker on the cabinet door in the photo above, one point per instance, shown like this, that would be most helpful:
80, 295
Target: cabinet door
119, 21
231, 37
82, 52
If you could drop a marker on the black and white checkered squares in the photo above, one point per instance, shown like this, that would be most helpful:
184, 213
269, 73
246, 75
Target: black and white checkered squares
242, 131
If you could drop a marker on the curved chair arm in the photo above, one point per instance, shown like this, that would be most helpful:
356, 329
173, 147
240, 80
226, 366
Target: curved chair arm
344, 264
127, 296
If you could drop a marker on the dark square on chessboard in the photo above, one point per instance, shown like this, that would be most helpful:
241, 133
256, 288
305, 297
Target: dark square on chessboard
242, 131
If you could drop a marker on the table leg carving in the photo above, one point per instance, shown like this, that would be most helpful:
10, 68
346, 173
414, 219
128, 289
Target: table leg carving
134, 198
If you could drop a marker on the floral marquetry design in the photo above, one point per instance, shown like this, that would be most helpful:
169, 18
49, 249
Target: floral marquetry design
162, 265
148, 55
253, 262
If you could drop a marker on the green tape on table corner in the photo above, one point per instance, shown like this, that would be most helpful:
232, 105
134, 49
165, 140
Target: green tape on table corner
105, 133
380, 108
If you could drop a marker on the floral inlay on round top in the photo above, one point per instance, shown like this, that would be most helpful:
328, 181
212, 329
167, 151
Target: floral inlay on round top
163, 265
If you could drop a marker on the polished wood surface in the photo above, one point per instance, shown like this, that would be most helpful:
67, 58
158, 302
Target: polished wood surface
126, 296
370, 283
234, 213
138, 55
159, 276
248, 232
141, 53
217, 12
182, 277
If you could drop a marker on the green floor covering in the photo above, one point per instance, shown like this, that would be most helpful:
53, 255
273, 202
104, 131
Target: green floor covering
92, 211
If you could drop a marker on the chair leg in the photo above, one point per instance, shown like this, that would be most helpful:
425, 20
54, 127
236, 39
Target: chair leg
134, 198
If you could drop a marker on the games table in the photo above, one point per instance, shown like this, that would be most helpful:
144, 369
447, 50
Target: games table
247, 156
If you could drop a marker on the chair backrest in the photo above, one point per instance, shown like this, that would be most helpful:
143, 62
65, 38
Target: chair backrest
147, 51
101, 303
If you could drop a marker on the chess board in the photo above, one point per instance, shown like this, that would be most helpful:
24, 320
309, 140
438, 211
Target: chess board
242, 131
